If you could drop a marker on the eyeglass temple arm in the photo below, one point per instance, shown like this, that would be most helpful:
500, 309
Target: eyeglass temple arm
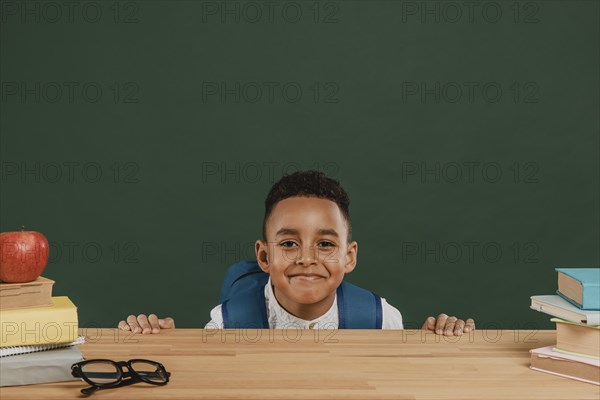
126, 382
92, 389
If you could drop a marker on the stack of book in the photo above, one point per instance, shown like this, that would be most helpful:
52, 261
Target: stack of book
576, 312
39, 334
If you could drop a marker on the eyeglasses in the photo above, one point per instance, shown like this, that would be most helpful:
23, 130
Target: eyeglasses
108, 374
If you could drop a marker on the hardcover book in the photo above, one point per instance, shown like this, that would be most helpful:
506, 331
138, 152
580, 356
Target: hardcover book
40, 325
580, 287
567, 366
40, 367
37, 293
558, 307
577, 338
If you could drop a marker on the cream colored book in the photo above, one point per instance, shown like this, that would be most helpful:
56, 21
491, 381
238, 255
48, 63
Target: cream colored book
40, 325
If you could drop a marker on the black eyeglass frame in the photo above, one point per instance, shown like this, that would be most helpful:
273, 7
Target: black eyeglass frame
120, 381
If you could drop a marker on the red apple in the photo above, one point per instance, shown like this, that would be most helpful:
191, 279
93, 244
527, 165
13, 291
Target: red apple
23, 256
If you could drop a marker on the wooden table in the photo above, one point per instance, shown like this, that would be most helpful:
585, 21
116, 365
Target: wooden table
336, 364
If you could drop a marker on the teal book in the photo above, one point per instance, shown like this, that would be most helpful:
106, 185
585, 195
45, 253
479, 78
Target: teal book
580, 287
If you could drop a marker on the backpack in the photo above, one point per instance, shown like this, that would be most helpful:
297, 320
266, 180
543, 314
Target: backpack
243, 305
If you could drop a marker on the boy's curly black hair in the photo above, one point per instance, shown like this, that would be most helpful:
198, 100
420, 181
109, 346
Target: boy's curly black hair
308, 183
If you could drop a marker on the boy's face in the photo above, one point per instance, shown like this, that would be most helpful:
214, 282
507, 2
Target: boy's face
306, 254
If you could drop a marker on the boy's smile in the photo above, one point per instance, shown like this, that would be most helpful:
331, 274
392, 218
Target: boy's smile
307, 254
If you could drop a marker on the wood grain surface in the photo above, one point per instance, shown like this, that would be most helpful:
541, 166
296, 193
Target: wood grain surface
334, 364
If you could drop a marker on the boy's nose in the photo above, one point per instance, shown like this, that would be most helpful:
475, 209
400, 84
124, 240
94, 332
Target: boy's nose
307, 256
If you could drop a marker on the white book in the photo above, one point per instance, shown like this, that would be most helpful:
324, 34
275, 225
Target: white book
39, 367
15, 350
558, 307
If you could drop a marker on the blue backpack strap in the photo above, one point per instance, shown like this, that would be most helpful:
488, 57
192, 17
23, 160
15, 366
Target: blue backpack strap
358, 308
243, 296
234, 282
246, 309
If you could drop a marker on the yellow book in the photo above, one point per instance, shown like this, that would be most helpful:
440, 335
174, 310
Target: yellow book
577, 338
40, 325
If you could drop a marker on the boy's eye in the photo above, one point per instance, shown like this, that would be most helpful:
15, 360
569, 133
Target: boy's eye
287, 243
326, 244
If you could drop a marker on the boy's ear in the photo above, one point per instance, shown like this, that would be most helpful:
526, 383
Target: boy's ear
351, 257
262, 255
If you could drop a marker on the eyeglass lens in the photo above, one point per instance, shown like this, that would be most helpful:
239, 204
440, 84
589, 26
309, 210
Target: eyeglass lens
104, 372
149, 371
101, 372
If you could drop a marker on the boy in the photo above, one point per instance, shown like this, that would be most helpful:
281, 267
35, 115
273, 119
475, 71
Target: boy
306, 251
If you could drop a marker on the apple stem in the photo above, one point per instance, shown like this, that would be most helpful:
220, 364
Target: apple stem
22, 228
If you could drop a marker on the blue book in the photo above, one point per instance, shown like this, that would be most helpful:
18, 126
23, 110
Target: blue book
580, 287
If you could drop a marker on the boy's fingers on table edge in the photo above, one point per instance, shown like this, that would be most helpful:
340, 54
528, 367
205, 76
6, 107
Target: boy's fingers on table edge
429, 324
449, 327
144, 324
133, 324
153, 319
166, 323
440, 323
123, 325
458, 327
470, 325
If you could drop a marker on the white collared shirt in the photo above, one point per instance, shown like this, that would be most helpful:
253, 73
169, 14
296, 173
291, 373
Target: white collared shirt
279, 318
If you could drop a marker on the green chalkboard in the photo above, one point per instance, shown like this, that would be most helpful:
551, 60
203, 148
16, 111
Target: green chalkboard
141, 137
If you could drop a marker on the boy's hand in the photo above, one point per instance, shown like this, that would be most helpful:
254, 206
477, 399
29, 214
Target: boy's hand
448, 326
145, 325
